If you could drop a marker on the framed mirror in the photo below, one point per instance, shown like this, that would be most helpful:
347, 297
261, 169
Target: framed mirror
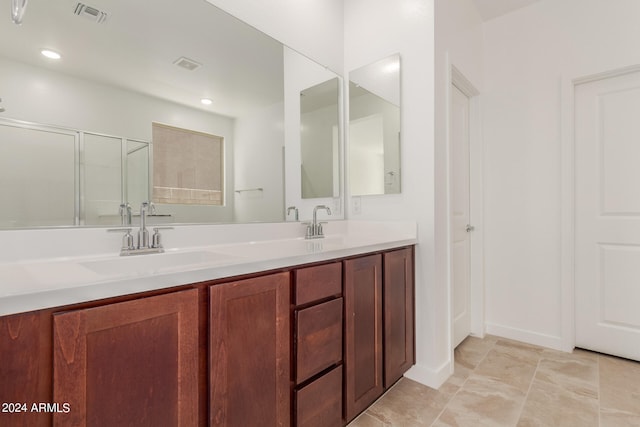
374, 128
124, 66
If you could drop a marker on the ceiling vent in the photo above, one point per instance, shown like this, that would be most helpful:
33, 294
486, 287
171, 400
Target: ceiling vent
91, 13
186, 63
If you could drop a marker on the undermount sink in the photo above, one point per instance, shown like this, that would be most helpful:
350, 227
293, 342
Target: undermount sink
155, 263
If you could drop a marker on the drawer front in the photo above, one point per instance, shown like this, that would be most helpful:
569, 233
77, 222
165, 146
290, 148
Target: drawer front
321, 281
319, 338
319, 404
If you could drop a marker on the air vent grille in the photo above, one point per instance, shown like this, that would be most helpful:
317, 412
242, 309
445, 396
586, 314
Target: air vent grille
186, 63
91, 13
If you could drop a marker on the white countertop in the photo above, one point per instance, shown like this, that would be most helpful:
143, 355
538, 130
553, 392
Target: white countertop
63, 277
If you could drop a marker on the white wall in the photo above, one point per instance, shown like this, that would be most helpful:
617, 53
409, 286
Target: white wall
318, 128
528, 53
458, 43
313, 28
259, 163
375, 29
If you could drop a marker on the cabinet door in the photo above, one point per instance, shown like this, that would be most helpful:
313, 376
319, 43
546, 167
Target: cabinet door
398, 314
25, 367
249, 352
129, 363
363, 333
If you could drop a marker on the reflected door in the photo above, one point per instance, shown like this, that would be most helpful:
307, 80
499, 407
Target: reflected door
607, 215
102, 179
38, 166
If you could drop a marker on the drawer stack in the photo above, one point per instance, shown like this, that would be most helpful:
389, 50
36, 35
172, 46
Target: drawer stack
318, 326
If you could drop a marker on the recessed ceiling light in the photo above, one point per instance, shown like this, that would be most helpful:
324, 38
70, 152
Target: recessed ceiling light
50, 54
392, 67
206, 101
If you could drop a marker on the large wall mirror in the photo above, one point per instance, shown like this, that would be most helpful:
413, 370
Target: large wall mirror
374, 128
76, 133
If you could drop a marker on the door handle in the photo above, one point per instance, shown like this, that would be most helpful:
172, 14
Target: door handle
469, 228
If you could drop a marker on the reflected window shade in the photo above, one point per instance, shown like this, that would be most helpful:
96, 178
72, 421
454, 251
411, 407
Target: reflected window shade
188, 167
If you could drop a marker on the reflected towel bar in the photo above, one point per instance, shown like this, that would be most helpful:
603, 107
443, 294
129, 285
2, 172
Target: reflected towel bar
250, 189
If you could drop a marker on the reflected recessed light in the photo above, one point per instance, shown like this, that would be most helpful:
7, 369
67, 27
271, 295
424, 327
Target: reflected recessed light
206, 101
392, 67
50, 54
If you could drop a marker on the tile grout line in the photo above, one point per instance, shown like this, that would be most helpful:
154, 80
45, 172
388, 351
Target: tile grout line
526, 396
463, 383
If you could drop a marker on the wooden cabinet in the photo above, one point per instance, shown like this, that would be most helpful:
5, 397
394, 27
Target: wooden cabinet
25, 367
311, 347
379, 325
398, 309
317, 343
363, 333
249, 357
128, 363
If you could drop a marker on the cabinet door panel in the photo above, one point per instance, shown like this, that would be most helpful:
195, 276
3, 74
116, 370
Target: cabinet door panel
25, 366
319, 404
317, 282
129, 363
363, 333
398, 314
319, 338
249, 352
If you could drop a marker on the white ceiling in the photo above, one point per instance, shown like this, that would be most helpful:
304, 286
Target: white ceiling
135, 49
490, 9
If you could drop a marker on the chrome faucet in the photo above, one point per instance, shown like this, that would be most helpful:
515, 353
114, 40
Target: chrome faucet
314, 230
145, 245
295, 211
143, 234
125, 214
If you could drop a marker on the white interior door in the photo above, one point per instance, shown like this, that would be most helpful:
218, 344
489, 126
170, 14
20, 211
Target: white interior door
460, 233
607, 209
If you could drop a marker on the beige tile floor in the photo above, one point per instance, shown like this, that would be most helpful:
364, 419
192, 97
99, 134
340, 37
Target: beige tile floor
499, 382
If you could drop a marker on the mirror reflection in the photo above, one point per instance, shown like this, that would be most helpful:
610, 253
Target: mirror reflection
124, 66
319, 140
374, 128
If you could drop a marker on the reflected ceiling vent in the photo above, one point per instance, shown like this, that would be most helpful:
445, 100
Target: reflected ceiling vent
186, 63
90, 13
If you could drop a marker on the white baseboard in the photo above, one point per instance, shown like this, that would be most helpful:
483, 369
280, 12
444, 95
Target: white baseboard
430, 377
526, 336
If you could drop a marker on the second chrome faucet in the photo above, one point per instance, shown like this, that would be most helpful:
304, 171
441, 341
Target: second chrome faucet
144, 244
314, 229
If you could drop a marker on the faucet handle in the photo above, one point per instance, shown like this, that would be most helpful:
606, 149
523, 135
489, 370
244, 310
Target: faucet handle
309, 229
319, 230
155, 239
127, 239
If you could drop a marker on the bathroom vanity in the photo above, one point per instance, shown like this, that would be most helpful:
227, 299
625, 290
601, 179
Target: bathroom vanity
309, 339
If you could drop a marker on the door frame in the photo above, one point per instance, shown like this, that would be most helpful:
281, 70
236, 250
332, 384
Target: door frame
476, 191
567, 198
